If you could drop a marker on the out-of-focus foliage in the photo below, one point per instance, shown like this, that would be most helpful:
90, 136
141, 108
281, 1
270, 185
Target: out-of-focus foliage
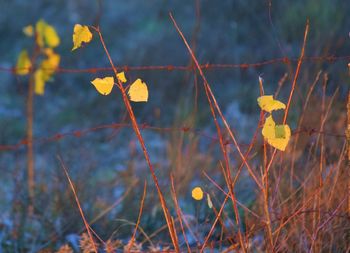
46, 39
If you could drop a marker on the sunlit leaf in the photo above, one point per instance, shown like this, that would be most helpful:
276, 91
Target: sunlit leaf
28, 30
268, 104
46, 34
197, 193
276, 135
81, 34
23, 63
104, 85
40, 31
138, 91
210, 204
51, 63
51, 37
39, 82
121, 77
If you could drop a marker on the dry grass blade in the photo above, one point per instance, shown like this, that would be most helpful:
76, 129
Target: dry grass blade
78, 204
140, 214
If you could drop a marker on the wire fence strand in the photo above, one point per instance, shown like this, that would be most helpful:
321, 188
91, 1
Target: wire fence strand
208, 66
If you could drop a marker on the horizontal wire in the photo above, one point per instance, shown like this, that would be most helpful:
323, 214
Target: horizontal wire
145, 126
208, 66
80, 133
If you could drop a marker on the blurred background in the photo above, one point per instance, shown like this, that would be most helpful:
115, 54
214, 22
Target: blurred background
106, 164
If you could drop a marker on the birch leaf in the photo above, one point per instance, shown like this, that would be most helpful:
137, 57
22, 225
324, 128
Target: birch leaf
197, 193
277, 136
138, 91
23, 63
268, 104
104, 85
46, 34
81, 34
39, 82
121, 77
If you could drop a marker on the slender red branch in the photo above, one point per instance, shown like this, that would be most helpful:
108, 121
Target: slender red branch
142, 143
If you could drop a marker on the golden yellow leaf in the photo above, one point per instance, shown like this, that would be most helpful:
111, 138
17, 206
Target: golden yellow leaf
104, 85
268, 130
197, 193
51, 63
51, 36
40, 30
28, 30
46, 34
23, 63
268, 104
121, 77
81, 34
276, 135
39, 81
138, 91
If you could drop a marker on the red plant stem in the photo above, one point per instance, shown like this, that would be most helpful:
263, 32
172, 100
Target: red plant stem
142, 143
293, 86
265, 180
30, 152
212, 102
179, 212
296, 73
30, 119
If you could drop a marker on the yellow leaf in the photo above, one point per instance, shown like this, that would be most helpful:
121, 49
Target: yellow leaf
46, 34
210, 204
81, 34
40, 30
138, 91
23, 63
197, 193
104, 85
39, 80
276, 135
50, 64
51, 37
268, 104
28, 30
121, 77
